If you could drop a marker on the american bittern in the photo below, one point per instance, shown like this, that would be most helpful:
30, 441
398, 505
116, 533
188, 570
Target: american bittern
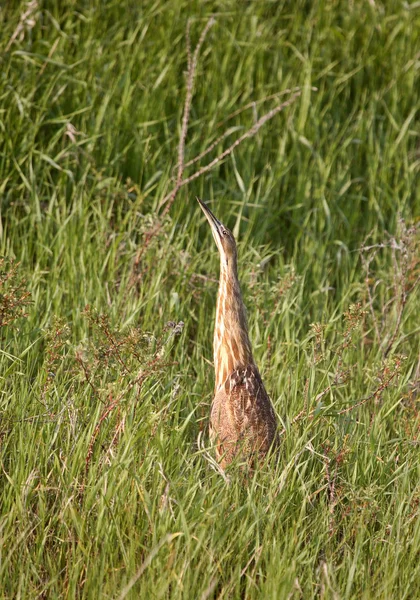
242, 419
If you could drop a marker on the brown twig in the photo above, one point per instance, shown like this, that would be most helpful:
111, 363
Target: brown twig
248, 134
50, 54
188, 44
192, 69
192, 62
231, 131
210, 148
375, 394
26, 20
257, 102
180, 181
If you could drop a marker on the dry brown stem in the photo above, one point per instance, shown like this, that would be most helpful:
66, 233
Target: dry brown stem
180, 181
26, 21
248, 134
192, 69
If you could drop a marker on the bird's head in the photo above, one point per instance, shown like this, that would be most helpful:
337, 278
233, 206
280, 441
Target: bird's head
222, 235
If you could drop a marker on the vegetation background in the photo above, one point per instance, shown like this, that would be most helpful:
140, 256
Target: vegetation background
108, 485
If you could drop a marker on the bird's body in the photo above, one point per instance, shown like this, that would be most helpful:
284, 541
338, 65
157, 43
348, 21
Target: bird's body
242, 420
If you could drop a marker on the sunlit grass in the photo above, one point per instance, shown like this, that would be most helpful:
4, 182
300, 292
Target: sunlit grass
108, 501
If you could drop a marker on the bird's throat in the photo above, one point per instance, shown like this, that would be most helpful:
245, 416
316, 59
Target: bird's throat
232, 347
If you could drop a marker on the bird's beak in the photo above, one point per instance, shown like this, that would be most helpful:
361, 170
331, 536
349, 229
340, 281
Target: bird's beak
215, 224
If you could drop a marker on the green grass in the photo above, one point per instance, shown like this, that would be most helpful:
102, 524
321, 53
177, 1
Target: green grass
127, 504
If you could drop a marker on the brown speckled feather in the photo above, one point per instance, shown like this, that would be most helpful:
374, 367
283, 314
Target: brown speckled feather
242, 417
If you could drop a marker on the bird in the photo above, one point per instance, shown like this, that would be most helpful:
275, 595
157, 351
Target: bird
243, 423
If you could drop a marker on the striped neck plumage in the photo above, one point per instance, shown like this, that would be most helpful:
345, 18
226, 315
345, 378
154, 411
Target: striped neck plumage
232, 347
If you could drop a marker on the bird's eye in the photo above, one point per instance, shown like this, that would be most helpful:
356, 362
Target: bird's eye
224, 232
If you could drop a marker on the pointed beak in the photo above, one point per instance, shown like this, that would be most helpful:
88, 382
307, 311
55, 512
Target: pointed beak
215, 224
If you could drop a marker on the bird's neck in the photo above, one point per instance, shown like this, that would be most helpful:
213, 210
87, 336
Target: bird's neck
232, 348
